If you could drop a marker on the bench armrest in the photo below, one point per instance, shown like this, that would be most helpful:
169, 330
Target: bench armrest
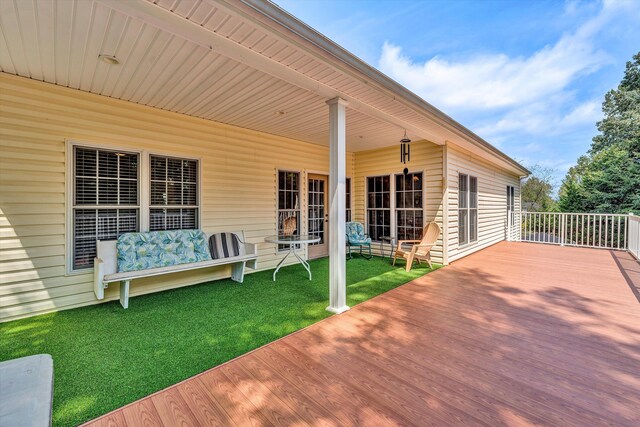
98, 275
251, 248
402, 242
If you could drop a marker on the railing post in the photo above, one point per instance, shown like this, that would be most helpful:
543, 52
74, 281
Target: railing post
627, 231
563, 228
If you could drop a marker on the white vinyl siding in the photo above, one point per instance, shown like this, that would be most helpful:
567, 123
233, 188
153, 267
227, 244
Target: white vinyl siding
237, 186
491, 196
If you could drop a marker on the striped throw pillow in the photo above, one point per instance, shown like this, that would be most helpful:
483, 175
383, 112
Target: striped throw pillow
224, 245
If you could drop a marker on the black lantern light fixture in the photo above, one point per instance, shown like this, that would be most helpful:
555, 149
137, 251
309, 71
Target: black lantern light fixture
405, 151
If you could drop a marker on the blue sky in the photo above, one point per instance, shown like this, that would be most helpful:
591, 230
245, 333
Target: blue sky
527, 75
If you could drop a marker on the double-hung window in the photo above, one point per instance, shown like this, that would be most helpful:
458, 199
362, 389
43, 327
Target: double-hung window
511, 203
105, 199
110, 197
173, 193
409, 206
348, 201
288, 204
511, 199
467, 209
379, 206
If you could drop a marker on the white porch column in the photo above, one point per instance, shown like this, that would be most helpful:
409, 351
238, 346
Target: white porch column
337, 216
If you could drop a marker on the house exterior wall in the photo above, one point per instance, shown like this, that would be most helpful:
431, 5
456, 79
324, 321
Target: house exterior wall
426, 157
238, 185
492, 200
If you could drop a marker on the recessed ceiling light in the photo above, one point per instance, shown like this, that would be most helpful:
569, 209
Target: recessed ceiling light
109, 59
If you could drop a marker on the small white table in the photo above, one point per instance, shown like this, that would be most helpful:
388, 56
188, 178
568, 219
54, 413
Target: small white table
293, 242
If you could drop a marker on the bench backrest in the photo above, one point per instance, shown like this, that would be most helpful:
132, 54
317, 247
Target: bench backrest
146, 251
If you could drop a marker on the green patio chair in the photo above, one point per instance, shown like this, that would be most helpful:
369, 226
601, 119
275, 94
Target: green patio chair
358, 238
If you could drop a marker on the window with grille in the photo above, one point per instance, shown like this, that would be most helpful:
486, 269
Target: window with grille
348, 200
288, 204
511, 201
174, 203
379, 206
409, 206
511, 197
467, 209
105, 199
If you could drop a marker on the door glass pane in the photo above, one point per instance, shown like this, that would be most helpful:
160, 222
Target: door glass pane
316, 209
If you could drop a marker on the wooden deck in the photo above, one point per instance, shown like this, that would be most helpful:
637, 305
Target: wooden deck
516, 334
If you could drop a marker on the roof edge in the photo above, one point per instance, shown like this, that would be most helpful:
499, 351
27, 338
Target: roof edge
333, 51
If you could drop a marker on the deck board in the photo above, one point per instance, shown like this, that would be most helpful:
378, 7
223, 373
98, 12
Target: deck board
516, 334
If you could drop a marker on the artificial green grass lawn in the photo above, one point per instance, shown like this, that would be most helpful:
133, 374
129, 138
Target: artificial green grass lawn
105, 357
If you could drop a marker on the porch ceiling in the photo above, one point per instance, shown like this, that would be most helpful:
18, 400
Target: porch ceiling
219, 60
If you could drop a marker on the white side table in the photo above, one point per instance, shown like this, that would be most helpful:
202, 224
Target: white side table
293, 242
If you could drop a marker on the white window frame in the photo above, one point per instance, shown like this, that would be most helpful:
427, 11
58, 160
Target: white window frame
349, 191
197, 206
302, 192
468, 209
144, 190
391, 203
396, 209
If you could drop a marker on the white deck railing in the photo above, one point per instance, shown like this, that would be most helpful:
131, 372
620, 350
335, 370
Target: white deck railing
633, 233
610, 231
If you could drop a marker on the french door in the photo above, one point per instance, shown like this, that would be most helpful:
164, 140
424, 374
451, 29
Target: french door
318, 217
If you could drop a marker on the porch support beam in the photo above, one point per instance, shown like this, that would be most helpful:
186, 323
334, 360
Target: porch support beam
337, 215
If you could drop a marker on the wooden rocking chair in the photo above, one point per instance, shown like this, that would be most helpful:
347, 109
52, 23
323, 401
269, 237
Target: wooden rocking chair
421, 249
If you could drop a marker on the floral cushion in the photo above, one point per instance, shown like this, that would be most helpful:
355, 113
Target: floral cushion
355, 234
142, 251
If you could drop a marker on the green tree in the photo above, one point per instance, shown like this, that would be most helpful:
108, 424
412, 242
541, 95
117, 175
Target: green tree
536, 190
607, 179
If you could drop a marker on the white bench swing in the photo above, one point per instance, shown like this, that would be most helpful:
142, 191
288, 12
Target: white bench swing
106, 269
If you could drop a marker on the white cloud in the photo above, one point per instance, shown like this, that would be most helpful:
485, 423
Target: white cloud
497, 81
542, 118
492, 81
588, 112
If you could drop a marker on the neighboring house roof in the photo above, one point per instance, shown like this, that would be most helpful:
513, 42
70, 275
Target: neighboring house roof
241, 62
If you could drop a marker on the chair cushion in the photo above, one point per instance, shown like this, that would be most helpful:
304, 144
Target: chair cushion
142, 251
355, 234
224, 245
364, 241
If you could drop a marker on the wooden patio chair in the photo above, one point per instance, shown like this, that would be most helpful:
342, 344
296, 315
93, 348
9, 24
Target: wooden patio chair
420, 249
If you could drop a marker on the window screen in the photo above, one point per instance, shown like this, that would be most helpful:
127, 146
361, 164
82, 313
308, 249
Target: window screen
105, 199
288, 204
409, 206
348, 199
174, 203
379, 206
467, 209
